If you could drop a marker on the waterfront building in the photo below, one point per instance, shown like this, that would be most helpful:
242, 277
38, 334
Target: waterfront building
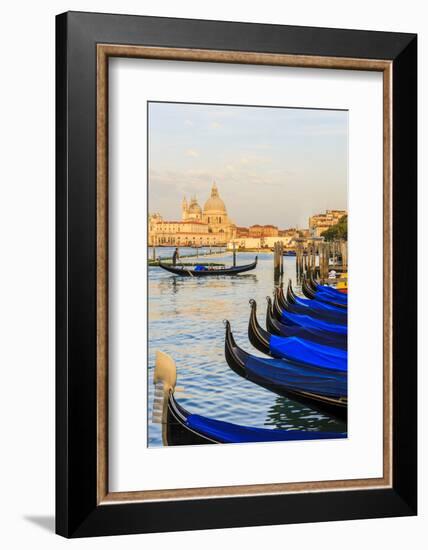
210, 226
249, 243
242, 232
321, 222
263, 231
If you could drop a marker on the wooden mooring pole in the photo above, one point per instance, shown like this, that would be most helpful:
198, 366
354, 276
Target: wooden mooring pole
299, 261
277, 260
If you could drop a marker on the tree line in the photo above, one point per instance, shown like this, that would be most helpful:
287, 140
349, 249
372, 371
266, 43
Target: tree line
338, 231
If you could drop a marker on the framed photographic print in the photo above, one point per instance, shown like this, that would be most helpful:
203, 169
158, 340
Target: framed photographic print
236, 221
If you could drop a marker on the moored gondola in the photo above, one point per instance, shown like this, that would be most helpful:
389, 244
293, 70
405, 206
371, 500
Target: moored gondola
201, 271
306, 321
322, 389
311, 281
324, 295
314, 309
292, 298
293, 349
333, 291
179, 427
319, 336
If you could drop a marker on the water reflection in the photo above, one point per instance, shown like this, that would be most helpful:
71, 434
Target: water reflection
175, 283
286, 414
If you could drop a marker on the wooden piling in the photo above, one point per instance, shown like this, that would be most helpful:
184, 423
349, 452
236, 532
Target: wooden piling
277, 261
344, 254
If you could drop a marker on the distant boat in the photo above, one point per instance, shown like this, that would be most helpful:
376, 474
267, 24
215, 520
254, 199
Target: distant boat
342, 283
202, 271
180, 427
289, 253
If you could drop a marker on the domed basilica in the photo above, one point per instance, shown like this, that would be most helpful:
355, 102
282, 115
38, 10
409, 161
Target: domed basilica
214, 214
208, 227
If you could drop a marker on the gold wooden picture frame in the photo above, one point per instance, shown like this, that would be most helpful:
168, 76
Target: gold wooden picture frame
85, 504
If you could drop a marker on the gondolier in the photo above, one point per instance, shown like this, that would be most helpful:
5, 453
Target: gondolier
175, 257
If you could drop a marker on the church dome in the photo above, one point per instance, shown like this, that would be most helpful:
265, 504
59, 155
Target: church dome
214, 203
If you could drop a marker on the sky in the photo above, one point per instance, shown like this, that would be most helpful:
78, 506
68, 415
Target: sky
271, 165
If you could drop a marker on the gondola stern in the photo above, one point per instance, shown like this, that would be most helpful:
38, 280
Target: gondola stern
290, 293
306, 290
282, 300
277, 310
164, 380
233, 354
271, 322
258, 337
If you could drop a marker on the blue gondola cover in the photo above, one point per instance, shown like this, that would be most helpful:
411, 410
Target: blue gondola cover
283, 374
309, 353
320, 337
332, 293
310, 322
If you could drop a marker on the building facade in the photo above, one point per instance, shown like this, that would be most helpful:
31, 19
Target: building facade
258, 243
321, 222
259, 231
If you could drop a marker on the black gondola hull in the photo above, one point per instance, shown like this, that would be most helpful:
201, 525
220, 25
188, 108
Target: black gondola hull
176, 432
183, 272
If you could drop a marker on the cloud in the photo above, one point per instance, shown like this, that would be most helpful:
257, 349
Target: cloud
191, 153
255, 160
215, 124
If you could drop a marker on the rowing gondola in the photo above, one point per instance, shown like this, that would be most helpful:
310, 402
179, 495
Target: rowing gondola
322, 389
201, 271
306, 321
331, 315
319, 336
179, 427
294, 349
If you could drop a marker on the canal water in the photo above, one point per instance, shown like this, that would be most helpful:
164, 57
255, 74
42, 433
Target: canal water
186, 321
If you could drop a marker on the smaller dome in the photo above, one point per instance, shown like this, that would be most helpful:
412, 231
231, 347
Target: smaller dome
194, 207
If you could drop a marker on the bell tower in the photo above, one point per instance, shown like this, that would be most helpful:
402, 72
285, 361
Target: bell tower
184, 209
